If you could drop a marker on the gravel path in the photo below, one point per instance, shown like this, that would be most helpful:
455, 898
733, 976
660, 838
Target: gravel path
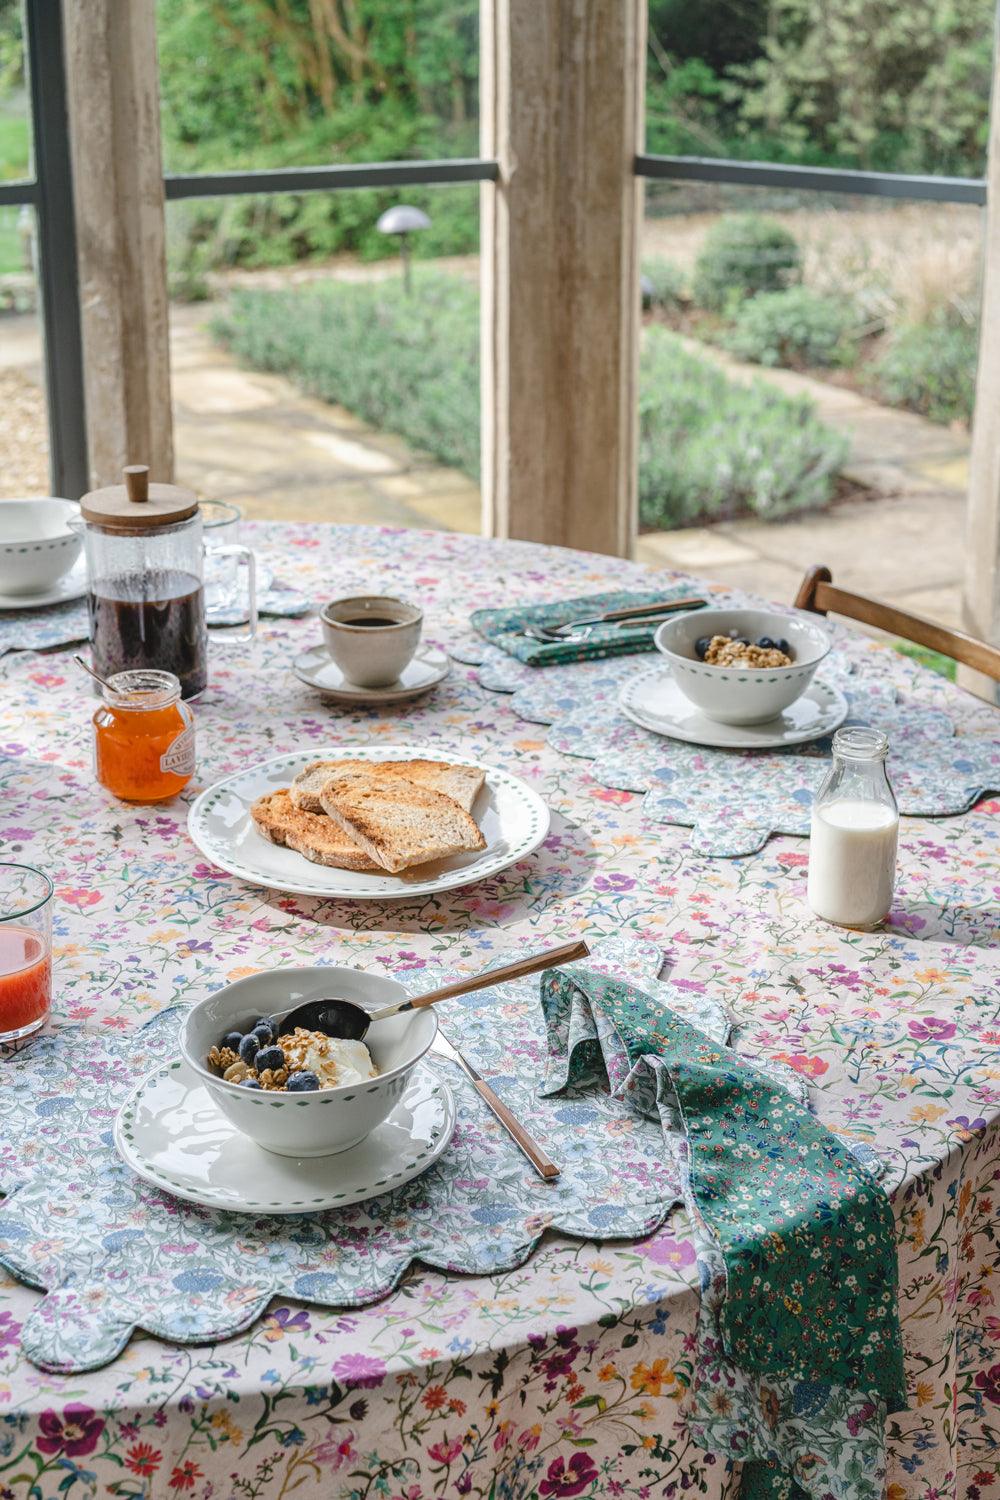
24, 443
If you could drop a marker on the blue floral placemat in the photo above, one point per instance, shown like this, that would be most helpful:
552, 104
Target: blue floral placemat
113, 1254
733, 801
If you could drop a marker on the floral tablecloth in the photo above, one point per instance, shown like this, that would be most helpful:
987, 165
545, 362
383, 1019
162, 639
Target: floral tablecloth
564, 1378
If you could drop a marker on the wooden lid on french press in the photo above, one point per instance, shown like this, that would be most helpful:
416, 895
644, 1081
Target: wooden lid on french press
138, 505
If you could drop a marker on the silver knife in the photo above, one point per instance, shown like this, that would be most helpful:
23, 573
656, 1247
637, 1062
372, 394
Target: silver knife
543, 1165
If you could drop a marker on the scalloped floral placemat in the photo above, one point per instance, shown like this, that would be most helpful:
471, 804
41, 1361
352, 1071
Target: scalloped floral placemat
733, 801
113, 1254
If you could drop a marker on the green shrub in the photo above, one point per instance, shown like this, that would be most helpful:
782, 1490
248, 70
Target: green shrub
793, 328
744, 254
708, 447
664, 283
930, 368
405, 364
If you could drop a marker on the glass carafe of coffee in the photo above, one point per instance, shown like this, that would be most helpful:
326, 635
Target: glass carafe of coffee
145, 558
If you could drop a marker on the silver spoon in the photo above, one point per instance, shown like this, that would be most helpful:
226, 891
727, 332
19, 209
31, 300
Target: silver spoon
350, 1022
91, 673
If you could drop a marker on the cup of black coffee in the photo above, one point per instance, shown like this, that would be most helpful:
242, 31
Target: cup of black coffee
371, 637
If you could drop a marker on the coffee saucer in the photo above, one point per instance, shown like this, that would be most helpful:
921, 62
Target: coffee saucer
72, 586
171, 1134
318, 670
653, 700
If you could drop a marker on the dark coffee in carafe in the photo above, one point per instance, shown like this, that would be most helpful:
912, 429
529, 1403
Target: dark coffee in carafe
154, 620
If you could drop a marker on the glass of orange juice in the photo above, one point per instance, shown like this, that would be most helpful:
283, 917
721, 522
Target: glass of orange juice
25, 950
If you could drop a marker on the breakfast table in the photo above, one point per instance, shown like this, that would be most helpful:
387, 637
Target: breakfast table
566, 1375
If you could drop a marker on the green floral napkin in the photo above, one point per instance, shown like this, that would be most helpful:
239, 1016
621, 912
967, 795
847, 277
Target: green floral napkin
503, 627
796, 1242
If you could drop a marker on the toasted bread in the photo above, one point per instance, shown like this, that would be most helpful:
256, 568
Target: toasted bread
399, 824
319, 839
460, 783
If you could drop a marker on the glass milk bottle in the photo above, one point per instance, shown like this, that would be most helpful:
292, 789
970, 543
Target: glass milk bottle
855, 826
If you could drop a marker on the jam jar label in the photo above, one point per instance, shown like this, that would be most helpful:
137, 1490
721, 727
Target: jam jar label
180, 757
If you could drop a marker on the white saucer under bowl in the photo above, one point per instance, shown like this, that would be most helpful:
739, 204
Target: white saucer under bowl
653, 700
318, 670
171, 1134
72, 586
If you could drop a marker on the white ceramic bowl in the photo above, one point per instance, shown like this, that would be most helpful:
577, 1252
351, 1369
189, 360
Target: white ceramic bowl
742, 695
37, 547
327, 1120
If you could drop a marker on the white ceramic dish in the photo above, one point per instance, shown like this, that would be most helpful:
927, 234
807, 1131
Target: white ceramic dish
37, 547
425, 671
73, 586
170, 1133
371, 637
653, 700
514, 821
742, 695
327, 1120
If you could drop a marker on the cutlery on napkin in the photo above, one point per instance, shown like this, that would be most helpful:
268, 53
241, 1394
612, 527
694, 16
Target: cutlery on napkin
505, 628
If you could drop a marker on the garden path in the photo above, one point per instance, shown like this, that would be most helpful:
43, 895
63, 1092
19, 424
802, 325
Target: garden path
253, 438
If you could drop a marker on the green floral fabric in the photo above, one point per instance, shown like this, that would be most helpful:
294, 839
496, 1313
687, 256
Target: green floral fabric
503, 627
797, 1241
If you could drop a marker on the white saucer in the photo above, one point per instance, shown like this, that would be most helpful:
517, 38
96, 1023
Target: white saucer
72, 586
318, 670
653, 700
171, 1134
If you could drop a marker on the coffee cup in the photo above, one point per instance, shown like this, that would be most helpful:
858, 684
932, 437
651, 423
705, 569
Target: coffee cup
371, 637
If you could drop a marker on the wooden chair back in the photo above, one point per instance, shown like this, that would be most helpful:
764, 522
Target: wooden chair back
819, 594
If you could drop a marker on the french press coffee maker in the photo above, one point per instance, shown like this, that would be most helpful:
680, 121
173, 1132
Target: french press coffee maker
145, 594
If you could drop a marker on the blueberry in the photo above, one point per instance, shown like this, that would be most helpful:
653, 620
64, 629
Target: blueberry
232, 1040
701, 646
302, 1083
250, 1083
269, 1057
783, 645
249, 1047
765, 643
265, 1029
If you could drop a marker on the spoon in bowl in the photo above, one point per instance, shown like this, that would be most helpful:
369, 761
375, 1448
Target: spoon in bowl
350, 1022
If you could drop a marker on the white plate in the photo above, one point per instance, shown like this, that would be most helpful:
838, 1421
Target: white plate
653, 700
72, 586
317, 669
514, 821
171, 1134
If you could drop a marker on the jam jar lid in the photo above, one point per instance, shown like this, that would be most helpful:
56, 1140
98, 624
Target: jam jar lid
137, 505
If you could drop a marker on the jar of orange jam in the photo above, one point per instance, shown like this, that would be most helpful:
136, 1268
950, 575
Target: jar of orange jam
143, 737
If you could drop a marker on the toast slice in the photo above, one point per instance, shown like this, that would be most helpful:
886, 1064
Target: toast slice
398, 823
460, 783
317, 838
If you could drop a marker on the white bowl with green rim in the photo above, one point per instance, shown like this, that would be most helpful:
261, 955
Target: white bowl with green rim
739, 694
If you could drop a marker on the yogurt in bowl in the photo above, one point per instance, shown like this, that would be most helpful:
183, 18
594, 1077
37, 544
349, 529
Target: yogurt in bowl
737, 692
317, 1118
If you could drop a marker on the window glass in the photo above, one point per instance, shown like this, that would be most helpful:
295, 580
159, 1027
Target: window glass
893, 88
808, 374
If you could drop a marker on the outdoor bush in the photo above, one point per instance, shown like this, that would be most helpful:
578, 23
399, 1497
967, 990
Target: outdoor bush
744, 254
931, 368
665, 280
405, 364
797, 327
708, 447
